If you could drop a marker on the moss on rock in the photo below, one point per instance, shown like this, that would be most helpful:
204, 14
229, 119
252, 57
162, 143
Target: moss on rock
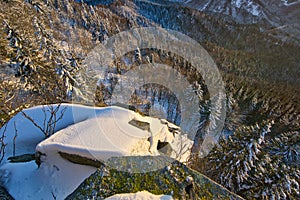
174, 179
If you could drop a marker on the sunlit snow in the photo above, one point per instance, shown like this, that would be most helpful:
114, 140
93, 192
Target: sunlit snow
96, 133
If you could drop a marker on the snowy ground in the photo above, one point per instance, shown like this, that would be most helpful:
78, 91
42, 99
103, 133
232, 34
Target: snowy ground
144, 195
96, 133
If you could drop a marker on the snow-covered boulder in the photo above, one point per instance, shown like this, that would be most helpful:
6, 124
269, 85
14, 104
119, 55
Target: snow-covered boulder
139, 195
94, 134
27, 128
113, 132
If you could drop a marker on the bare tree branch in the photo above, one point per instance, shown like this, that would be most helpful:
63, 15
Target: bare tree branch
15, 138
3, 145
33, 122
49, 124
45, 116
54, 114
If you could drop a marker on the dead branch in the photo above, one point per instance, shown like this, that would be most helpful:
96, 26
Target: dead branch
15, 138
62, 112
33, 122
50, 124
45, 116
3, 145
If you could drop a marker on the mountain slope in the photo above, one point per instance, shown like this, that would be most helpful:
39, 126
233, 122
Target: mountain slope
282, 15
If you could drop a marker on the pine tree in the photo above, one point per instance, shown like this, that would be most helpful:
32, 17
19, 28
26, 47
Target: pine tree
252, 165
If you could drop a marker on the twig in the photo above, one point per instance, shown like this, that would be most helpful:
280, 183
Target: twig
53, 195
3, 145
53, 120
34, 123
62, 112
7, 100
50, 124
15, 138
45, 116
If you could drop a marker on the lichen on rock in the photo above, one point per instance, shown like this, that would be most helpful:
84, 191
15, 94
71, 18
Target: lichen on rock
174, 179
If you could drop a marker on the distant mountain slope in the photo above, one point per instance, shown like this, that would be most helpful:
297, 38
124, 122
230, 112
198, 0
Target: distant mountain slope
284, 15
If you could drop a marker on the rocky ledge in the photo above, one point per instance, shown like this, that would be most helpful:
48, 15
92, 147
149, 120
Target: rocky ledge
175, 179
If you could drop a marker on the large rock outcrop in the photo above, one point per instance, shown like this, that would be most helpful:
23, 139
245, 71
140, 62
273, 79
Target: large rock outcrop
176, 180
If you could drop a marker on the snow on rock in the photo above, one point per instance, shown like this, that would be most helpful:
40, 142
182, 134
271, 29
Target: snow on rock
235, 8
96, 133
289, 3
27, 181
251, 7
144, 195
27, 135
110, 133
